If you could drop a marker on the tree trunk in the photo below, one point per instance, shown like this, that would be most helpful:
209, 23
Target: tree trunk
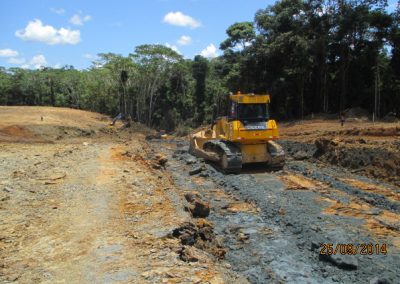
52, 95
302, 96
343, 78
326, 98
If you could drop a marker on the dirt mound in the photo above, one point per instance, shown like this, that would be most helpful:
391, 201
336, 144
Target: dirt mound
322, 116
356, 112
28, 115
372, 149
47, 124
390, 117
199, 235
197, 207
42, 133
370, 131
375, 162
16, 131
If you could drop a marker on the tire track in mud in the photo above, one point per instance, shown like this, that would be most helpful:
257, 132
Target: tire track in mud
274, 234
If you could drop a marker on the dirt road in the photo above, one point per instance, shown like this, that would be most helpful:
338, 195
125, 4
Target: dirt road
81, 202
94, 207
315, 221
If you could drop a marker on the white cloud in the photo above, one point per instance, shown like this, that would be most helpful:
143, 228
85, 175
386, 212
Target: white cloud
25, 66
88, 56
58, 11
173, 47
76, 20
38, 61
87, 18
16, 60
184, 40
180, 19
210, 51
36, 31
79, 19
8, 52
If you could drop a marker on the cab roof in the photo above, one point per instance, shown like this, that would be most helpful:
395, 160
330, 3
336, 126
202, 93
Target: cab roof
249, 98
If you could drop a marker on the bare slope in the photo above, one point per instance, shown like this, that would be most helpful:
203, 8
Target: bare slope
364, 147
97, 208
47, 124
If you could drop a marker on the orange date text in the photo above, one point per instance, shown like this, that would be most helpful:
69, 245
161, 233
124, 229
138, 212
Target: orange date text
353, 249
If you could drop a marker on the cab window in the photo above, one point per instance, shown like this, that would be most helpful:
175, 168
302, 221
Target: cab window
256, 112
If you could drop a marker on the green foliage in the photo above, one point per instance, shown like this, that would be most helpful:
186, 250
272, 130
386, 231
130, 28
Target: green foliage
200, 71
240, 34
311, 56
183, 130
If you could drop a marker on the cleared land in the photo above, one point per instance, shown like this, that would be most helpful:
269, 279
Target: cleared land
84, 203
81, 202
371, 149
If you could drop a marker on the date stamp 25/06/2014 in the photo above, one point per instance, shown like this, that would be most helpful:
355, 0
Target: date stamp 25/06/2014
353, 249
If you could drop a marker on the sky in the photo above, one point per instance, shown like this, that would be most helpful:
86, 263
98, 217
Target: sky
55, 33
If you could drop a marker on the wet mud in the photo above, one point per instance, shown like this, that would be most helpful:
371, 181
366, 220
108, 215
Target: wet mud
273, 226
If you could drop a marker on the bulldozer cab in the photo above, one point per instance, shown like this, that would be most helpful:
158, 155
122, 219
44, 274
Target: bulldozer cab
249, 112
248, 108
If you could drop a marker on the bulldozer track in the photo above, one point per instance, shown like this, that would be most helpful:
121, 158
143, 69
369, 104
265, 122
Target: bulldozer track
230, 156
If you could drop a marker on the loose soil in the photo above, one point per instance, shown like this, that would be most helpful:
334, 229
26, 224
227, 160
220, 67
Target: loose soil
371, 149
82, 202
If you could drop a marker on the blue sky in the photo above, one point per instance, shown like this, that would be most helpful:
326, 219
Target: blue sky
55, 33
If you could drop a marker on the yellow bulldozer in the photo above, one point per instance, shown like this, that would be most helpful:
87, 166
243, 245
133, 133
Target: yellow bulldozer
246, 135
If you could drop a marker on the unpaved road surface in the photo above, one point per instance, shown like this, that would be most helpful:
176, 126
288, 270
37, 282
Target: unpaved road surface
278, 226
81, 202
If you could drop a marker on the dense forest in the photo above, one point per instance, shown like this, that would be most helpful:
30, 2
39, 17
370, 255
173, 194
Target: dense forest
315, 56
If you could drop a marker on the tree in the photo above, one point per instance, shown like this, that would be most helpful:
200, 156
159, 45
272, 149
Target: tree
117, 64
200, 70
154, 64
394, 79
5, 86
240, 35
311, 56
285, 39
216, 91
176, 107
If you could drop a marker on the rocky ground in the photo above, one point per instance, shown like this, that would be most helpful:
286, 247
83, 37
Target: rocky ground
84, 203
273, 224
81, 202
